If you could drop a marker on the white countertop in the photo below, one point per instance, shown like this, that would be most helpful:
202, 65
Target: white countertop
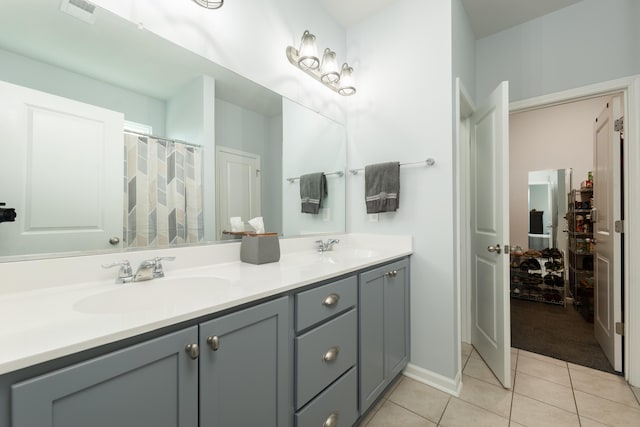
43, 317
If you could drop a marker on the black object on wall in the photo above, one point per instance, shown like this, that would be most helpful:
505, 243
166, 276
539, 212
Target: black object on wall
535, 222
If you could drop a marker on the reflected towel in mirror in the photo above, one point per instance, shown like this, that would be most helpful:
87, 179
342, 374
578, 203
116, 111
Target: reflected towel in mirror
313, 189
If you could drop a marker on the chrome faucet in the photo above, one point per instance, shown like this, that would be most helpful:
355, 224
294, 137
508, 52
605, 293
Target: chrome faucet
151, 268
326, 246
148, 269
125, 274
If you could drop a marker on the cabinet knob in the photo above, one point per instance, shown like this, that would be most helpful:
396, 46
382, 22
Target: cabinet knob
331, 300
114, 240
214, 342
393, 273
331, 354
193, 351
332, 420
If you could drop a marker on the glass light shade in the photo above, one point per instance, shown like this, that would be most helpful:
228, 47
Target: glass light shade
308, 52
329, 67
210, 4
346, 87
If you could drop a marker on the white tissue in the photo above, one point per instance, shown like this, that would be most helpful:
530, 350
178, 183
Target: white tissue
258, 224
236, 224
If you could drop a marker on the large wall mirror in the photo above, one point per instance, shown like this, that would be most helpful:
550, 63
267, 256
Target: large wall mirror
113, 138
547, 190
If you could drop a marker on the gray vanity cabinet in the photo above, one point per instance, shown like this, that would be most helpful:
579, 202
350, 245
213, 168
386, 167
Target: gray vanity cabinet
326, 350
384, 328
245, 362
154, 383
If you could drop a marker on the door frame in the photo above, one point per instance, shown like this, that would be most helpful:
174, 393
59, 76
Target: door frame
630, 87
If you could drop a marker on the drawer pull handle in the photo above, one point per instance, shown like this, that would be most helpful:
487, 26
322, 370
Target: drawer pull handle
393, 273
331, 354
332, 420
214, 342
193, 351
331, 300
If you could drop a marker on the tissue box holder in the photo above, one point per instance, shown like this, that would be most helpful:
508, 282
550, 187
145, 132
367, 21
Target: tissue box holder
260, 249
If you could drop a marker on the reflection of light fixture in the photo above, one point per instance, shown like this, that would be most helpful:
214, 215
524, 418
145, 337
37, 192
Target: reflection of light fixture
210, 4
326, 72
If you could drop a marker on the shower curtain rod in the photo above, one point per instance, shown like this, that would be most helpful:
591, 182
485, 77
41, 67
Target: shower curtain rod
177, 141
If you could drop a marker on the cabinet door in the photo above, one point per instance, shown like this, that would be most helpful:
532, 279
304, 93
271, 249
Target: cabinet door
384, 328
150, 384
244, 368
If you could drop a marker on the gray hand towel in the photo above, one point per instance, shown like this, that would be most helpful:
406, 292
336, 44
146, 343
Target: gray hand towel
313, 188
382, 187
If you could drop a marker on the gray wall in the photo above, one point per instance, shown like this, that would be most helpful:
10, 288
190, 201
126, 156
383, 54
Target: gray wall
589, 42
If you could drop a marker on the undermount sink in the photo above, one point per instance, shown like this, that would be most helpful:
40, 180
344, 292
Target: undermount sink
349, 255
336, 256
150, 295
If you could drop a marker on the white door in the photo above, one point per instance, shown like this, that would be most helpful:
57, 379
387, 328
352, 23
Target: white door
607, 256
490, 316
238, 187
62, 170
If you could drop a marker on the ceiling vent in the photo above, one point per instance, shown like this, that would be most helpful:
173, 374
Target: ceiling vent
80, 9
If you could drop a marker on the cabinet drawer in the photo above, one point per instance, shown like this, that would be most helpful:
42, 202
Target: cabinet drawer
323, 354
317, 304
338, 401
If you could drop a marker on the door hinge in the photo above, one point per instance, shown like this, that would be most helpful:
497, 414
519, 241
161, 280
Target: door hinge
620, 328
619, 226
618, 125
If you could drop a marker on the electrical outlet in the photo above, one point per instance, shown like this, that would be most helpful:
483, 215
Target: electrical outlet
326, 214
373, 217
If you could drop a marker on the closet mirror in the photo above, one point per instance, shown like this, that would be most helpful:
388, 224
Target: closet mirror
547, 192
111, 138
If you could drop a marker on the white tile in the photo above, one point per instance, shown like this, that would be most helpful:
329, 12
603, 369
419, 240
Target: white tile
586, 422
543, 358
636, 391
543, 369
392, 415
476, 368
463, 414
420, 398
486, 396
606, 387
372, 412
606, 411
545, 391
597, 373
533, 413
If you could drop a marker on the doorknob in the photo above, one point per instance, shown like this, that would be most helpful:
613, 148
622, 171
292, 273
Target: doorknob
495, 249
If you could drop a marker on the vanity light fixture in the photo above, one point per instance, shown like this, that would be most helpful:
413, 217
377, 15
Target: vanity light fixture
325, 71
210, 4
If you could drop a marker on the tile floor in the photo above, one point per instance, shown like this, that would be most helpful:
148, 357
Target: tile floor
546, 392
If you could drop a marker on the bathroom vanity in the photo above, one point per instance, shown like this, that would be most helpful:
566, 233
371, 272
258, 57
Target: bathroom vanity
312, 340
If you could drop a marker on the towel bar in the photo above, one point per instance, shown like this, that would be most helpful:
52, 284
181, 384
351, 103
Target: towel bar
339, 173
429, 162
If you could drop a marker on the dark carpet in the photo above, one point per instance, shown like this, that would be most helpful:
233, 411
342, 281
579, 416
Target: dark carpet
556, 331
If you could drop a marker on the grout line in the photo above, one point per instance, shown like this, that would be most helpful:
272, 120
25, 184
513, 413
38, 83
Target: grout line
445, 410
573, 393
414, 412
513, 384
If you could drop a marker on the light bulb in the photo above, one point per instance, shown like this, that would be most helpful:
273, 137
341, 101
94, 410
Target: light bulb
308, 52
346, 87
329, 67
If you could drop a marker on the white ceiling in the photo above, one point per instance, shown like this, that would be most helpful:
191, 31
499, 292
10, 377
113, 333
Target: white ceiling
486, 16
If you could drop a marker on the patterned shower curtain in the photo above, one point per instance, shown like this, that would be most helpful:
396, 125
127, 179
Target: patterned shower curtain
162, 193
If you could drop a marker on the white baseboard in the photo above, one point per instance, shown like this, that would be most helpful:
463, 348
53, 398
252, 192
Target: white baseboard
442, 383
